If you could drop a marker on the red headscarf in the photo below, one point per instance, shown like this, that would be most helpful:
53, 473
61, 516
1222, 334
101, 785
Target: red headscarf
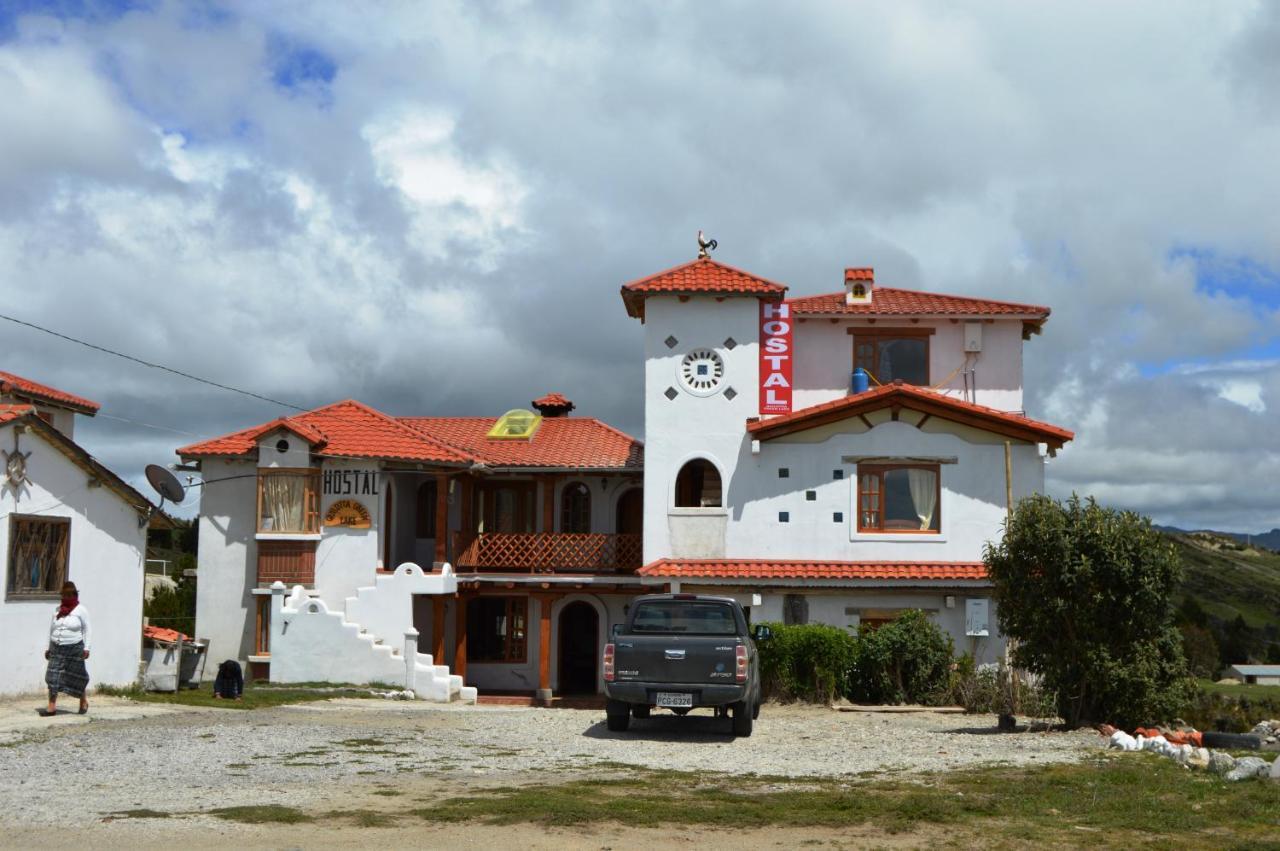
69, 602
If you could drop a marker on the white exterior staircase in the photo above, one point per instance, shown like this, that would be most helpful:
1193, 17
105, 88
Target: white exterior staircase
372, 641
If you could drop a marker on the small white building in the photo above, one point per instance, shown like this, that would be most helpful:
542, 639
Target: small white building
1256, 675
770, 471
64, 516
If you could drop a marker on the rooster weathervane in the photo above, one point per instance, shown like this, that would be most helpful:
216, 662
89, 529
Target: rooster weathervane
705, 246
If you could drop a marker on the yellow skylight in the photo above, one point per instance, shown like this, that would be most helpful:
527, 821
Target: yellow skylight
515, 425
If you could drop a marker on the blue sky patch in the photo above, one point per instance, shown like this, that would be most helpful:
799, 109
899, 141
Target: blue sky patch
1235, 275
89, 10
295, 66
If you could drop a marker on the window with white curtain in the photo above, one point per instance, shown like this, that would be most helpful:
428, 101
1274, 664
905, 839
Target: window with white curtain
289, 501
898, 498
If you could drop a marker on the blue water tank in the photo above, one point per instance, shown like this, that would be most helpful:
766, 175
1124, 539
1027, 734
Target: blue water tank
860, 382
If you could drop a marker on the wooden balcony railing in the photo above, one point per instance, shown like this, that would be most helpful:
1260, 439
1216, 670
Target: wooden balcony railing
540, 552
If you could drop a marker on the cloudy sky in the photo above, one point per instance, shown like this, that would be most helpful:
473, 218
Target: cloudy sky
431, 206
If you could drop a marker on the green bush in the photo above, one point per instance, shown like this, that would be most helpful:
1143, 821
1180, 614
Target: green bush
999, 691
905, 661
809, 662
1086, 593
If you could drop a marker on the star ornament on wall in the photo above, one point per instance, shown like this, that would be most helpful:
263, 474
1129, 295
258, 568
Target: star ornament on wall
15, 465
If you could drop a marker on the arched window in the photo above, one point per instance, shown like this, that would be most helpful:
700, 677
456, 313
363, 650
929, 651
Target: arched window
575, 508
698, 485
426, 517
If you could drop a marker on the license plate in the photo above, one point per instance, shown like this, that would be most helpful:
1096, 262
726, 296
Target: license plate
668, 698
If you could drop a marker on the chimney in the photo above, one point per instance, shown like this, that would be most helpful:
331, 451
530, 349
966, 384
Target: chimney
553, 405
858, 284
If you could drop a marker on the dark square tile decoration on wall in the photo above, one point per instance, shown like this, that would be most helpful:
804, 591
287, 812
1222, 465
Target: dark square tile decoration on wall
837, 475
784, 472
811, 496
784, 516
671, 342
838, 517
671, 393
731, 344
729, 393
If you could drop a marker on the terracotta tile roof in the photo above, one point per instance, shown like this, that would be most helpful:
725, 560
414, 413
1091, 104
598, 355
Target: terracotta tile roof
887, 301
552, 400
353, 430
917, 399
699, 277
9, 413
159, 633
347, 429
17, 385
767, 569
564, 442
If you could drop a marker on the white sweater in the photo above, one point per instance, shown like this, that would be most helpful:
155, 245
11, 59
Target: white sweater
72, 629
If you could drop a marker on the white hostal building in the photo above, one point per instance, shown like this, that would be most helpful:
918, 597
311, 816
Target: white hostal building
770, 475
65, 516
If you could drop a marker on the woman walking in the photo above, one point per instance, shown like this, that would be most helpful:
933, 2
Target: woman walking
68, 648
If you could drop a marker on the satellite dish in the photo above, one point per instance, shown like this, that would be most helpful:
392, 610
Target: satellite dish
165, 483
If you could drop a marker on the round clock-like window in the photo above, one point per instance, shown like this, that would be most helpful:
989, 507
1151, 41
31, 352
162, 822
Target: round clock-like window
701, 372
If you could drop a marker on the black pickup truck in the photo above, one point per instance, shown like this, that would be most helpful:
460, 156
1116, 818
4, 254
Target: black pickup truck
681, 652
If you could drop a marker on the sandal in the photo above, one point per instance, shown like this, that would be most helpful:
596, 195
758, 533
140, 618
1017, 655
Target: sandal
84, 708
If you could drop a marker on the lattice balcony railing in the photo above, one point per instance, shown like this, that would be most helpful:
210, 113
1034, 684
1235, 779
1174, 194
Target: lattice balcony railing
540, 552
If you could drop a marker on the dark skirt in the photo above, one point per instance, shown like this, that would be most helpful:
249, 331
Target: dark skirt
66, 672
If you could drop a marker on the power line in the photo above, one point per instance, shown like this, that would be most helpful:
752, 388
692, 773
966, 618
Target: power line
145, 425
160, 367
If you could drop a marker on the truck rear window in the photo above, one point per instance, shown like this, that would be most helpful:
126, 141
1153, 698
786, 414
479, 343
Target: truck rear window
684, 616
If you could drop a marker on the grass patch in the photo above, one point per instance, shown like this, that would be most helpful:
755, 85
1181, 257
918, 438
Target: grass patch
256, 695
237, 765
262, 814
141, 812
1126, 798
388, 793
1252, 692
363, 818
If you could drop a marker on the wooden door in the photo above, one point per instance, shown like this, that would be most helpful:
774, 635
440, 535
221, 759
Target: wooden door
629, 519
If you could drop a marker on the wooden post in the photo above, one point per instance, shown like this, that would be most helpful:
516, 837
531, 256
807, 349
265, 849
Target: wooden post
544, 649
464, 493
460, 636
437, 629
1008, 478
442, 517
549, 504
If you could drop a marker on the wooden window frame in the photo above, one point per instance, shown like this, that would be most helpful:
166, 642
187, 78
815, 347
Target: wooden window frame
310, 498
879, 471
262, 627
526, 504
924, 335
515, 648
565, 514
680, 495
12, 593
425, 510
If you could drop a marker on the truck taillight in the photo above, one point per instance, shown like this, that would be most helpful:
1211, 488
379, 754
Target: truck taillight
608, 663
741, 653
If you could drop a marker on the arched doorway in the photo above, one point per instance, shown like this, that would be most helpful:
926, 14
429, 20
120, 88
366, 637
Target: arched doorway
579, 631
630, 513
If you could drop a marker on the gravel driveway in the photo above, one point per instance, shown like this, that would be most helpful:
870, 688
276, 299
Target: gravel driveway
334, 753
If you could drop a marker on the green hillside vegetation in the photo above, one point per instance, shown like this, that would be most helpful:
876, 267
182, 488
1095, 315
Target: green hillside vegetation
1229, 608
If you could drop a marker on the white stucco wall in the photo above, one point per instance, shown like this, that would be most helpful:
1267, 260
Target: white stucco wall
347, 559
227, 560
973, 489
824, 359
106, 563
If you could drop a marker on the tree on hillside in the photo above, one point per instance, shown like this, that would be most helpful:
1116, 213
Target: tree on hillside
1086, 593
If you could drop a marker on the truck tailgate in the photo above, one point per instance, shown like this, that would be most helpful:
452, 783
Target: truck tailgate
676, 659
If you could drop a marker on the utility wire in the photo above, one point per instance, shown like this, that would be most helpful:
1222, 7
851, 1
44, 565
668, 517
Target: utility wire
145, 425
150, 364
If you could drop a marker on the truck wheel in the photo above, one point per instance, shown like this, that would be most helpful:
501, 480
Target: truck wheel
742, 718
640, 711
617, 716
755, 710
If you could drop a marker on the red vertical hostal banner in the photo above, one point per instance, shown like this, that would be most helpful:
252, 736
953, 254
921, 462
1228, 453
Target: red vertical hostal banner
776, 355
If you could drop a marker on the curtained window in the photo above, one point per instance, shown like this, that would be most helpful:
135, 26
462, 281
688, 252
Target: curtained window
898, 498
38, 548
892, 356
426, 519
497, 629
289, 501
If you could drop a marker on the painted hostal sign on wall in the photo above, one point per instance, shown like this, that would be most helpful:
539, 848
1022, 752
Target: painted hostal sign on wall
350, 482
775, 357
